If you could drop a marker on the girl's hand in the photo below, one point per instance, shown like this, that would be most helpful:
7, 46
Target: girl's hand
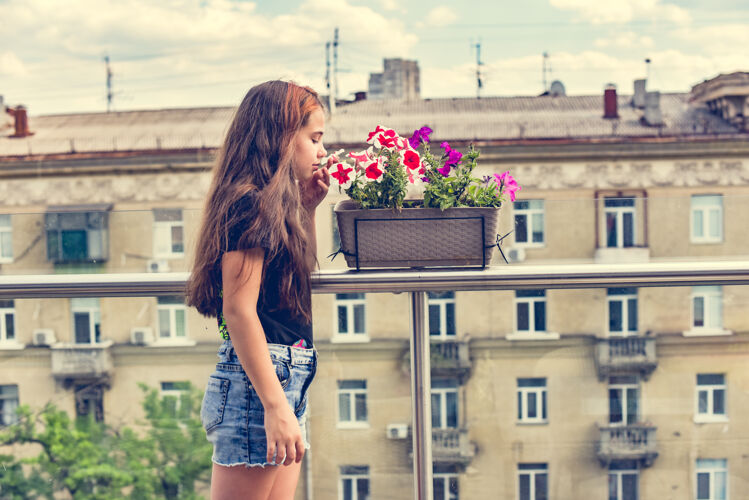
316, 188
284, 435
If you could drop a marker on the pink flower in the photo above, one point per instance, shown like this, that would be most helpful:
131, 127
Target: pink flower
342, 174
506, 184
361, 156
374, 171
376, 131
410, 159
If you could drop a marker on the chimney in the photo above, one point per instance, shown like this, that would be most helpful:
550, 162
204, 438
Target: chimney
21, 121
652, 115
360, 96
609, 102
638, 99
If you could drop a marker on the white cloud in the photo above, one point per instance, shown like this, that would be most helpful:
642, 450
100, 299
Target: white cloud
441, 16
11, 65
625, 40
623, 11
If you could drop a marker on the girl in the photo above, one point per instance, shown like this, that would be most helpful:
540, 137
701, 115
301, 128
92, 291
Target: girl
254, 255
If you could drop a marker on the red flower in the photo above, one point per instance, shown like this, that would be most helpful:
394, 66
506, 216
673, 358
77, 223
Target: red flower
374, 133
341, 173
373, 171
411, 159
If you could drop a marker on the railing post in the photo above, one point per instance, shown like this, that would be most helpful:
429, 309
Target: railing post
421, 398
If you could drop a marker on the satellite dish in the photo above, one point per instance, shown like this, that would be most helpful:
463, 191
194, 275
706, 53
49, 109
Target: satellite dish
557, 89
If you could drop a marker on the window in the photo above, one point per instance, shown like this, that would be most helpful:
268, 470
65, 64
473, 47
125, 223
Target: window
620, 222
354, 483
445, 485
168, 233
351, 313
707, 219
352, 403
444, 404
623, 480
712, 479
441, 314
6, 239
533, 481
532, 400
624, 395
529, 222
8, 404
622, 311
7, 321
86, 320
79, 236
530, 310
172, 313
173, 394
707, 308
89, 401
711, 396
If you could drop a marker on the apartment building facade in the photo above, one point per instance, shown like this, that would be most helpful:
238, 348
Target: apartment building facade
630, 393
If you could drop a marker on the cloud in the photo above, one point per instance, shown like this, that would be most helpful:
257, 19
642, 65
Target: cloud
625, 40
624, 11
441, 16
11, 65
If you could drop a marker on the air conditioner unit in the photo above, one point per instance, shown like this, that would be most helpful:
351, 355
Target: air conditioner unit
397, 431
516, 254
44, 337
157, 266
141, 335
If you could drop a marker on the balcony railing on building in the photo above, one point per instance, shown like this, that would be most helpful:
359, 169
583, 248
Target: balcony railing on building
625, 355
631, 442
450, 358
452, 447
78, 363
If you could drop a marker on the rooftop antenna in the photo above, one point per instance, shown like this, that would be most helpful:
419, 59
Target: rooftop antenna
546, 69
331, 103
479, 80
110, 93
335, 67
647, 69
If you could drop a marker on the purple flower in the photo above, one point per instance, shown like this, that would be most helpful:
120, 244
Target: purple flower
420, 135
452, 158
445, 171
506, 183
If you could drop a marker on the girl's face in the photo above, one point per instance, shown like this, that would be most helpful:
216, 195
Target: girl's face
308, 148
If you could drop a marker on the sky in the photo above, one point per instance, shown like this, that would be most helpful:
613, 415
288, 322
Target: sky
193, 53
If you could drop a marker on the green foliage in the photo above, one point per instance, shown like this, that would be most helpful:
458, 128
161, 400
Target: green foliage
91, 461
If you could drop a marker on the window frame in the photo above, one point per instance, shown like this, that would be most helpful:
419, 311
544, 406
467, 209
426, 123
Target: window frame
540, 468
354, 478
531, 314
442, 389
350, 304
166, 227
442, 303
446, 477
712, 297
528, 213
618, 474
172, 309
711, 471
94, 321
8, 307
710, 389
625, 299
6, 228
619, 213
542, 401
705, 211
624, 387
177, 394
95, 224
9, 413
351, 393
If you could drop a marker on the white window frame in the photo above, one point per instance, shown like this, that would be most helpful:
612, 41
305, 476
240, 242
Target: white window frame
531, 301
94, 319
619, 214
172, 310
710, 389
4, 313
162, 230
712, 471
441, 303
446, 477
618, 475
175, 393
623, 388
533, 473
712, 299
354, 478
9, 413
530, 225
542, 402
704, 211
442, 393
6, 228
626, 304
351, 393
350, 335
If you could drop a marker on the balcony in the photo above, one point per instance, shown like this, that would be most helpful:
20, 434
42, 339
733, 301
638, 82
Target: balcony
631, 442
450, 359
81, 363
625, 356
452, 447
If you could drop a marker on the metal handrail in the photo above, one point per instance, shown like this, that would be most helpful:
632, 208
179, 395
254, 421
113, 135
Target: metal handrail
416, 283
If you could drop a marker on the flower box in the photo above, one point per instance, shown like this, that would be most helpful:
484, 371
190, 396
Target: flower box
416, 237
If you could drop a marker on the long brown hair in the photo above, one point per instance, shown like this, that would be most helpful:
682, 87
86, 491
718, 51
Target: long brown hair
257, 155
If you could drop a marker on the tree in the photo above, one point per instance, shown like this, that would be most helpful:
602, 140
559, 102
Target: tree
166, 458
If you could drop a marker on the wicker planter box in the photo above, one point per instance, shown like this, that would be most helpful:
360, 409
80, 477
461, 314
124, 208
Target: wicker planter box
416, 237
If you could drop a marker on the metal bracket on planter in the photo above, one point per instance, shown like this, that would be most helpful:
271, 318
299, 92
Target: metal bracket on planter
477, 217
499, 243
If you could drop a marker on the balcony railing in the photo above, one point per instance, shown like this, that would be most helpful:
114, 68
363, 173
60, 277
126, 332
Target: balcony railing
450, 358
625, 356
452, 447
631, 442
640, 442
81, 363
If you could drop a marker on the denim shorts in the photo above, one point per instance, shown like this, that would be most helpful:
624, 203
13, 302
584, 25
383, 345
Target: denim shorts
232, 414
